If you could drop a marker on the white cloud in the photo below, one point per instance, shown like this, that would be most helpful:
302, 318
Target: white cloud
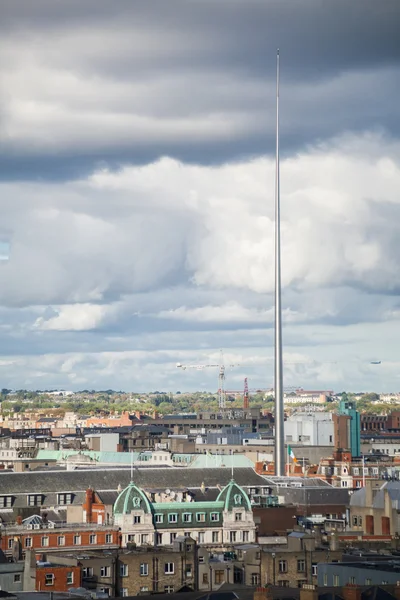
75, 317
158, 252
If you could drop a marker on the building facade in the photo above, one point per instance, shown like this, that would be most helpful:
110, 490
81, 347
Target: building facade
225, 521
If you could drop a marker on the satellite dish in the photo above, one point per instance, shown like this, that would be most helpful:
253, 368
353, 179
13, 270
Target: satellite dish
172, 494
168, 491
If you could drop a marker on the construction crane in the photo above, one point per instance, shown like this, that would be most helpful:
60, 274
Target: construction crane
221, 376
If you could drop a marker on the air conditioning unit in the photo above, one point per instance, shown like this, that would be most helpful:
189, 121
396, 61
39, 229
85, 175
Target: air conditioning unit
36, 526
29, 526
50, 525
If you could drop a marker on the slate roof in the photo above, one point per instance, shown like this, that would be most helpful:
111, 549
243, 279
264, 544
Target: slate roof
109, 479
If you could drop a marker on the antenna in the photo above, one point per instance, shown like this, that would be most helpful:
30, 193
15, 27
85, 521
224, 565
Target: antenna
279, 425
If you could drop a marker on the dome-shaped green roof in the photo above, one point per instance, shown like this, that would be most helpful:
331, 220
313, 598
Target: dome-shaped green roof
234, 497
131, 498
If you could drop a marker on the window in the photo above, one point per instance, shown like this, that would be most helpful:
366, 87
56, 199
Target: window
49, 579
200, 559
169, 568
201, 537
92, 538
200, 517
245, 536
283, 583
255, 579
124, 592
65, 498
238, 516
356, 471
215, 537
105, 571
144, 588
6, 501
136, 519
77, 540
168, 589
188, 571
144, 538
232, 536
70, 578
375, 470
105, 590
187, 517
17, 578
282, 566
130, 537
355, 521
301, 565
158, 518
336, 581
368, 581
61, 540
123, 570
314, 569
172, 537
173, 518
45, 540
28, 542
87, 572
109, 538
352, 580
214, 516
325, 579
34, 499
219, 576
144, 569
10, 543
205, 578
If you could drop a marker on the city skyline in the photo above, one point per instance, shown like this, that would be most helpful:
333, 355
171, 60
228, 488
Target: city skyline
137, 186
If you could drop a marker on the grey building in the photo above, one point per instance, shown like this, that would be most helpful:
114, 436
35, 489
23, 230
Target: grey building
359, 573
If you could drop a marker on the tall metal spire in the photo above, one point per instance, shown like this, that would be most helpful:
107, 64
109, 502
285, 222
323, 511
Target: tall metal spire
279, 415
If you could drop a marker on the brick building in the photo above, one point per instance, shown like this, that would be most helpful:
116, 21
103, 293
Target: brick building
158, 569
57, 578
296, 563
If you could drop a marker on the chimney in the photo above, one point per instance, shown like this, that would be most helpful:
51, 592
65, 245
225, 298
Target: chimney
334, 541
89, 505
19, 520
263, 593
396, 591
351, 592
308, 592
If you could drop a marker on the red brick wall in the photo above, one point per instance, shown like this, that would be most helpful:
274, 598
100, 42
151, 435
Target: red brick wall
60, 582
36, 536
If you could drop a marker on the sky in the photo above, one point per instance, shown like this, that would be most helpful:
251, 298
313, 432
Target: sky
137, 193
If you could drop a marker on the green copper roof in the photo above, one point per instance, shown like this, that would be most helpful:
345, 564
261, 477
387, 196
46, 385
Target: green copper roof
131, 498
234, 496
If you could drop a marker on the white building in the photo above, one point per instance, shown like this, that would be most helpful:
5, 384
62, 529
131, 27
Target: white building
221, 522
310, 429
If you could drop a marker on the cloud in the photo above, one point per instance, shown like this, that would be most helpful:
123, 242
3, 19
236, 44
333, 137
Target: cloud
193, 81
75, 317
137, 182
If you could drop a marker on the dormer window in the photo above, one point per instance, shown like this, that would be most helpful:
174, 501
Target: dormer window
65, 498
6, 501
35, 499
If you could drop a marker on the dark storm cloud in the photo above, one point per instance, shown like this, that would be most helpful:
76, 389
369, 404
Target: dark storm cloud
187, 48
